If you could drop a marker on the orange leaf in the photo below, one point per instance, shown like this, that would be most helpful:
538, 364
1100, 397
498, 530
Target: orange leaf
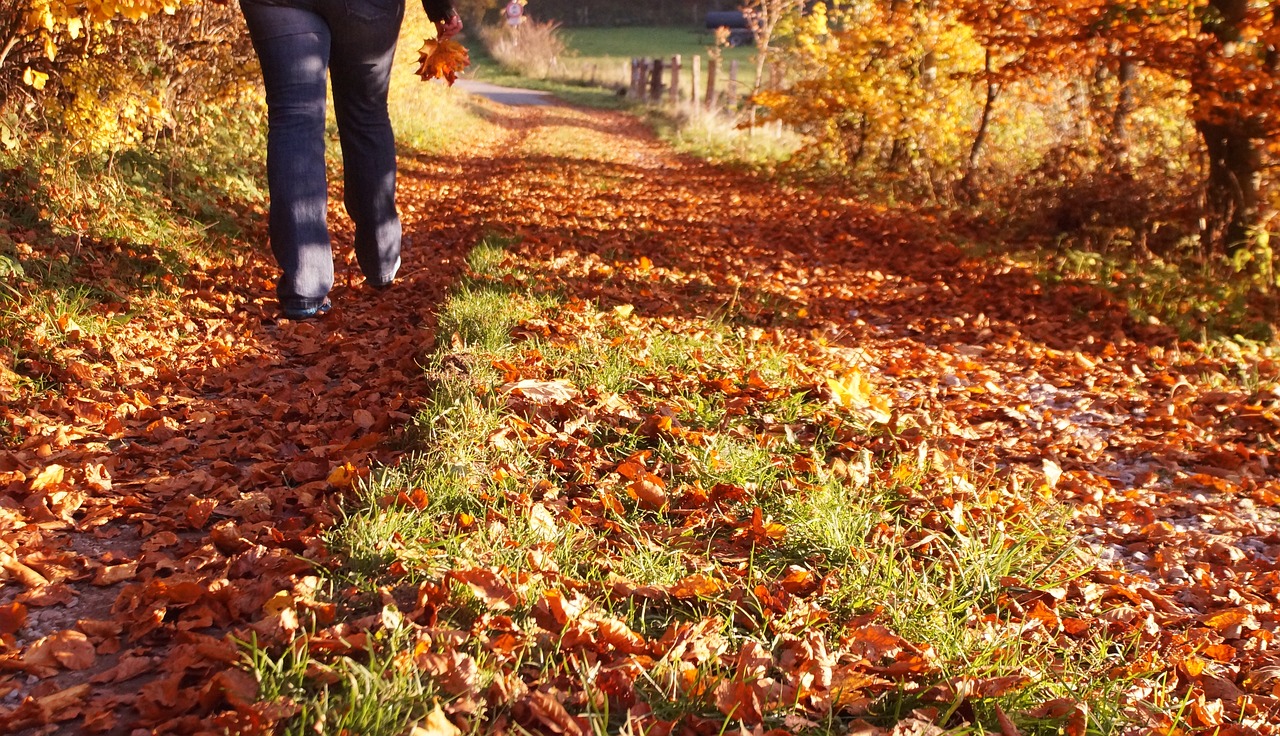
442, 60
696, 585
648, 490
488, 587
620, 636
69, 648
50, 476
13, 616
1226, 619
342, 476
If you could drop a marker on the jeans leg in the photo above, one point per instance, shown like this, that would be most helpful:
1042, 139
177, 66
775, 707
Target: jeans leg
361, 73
293, 47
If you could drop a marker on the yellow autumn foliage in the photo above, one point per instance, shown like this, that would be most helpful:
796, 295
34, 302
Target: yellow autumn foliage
872, 85
104, 74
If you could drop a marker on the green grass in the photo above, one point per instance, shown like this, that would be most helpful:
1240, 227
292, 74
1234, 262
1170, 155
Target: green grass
372, 693
599, 58
608, 49
90, 240
883, 537
485, 68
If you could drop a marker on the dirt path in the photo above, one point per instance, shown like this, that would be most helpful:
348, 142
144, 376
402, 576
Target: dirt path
163, 501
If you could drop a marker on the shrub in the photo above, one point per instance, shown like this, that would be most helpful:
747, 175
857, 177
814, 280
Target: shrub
532, 49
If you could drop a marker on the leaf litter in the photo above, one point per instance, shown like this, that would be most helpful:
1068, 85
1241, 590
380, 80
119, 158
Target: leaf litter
179, 493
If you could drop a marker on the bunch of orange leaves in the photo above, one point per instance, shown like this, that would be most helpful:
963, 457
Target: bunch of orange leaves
442, 60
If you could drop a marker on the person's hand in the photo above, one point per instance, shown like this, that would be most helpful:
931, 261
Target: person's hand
446, 29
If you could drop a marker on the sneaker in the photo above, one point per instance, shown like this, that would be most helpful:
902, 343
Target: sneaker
309, 313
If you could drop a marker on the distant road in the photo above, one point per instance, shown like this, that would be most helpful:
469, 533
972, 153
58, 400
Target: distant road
505, 95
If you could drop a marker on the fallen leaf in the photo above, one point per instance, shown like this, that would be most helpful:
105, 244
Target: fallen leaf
696, 585
542, 392
488, 587
49, 477
435, 724
13, 616
69, 648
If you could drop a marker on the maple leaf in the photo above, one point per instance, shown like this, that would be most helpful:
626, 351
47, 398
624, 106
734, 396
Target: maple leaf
853, 391
442, 60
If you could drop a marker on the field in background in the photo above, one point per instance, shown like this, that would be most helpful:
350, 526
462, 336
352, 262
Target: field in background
608, 52
602, 56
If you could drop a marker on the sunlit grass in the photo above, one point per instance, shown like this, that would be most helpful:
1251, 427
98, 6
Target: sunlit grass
485, 492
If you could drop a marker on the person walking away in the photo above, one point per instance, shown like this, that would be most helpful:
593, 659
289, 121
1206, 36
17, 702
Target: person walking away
299, 43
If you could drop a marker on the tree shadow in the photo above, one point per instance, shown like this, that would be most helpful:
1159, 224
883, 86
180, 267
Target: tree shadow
755, 252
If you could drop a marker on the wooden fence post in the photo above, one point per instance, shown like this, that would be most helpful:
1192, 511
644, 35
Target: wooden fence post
695, 81
655, 83
634, 90
642, 79
713, 67
675, 80
733, 83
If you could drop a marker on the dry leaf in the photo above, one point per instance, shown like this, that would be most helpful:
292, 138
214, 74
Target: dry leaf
542, 392
435, 724
696, 586
442, 60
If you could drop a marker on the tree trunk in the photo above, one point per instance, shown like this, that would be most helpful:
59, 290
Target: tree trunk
1119, 140
984, 125
1231, 192
1230, 139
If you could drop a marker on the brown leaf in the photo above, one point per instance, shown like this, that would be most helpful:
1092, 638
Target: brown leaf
552, 714
435, 724
488, 587
127, 668
112, 574
240, 688
22, 572
64, 704
199, 510
648, 490
542, 392
363, 418
1007, 727
69, 648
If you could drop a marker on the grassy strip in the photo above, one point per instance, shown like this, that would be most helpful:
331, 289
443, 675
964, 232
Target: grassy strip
1203, 300
90, 242
616, 522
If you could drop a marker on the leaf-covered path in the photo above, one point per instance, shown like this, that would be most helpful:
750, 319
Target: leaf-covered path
170, 492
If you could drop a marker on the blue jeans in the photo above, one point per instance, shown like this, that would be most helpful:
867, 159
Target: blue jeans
298, 42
